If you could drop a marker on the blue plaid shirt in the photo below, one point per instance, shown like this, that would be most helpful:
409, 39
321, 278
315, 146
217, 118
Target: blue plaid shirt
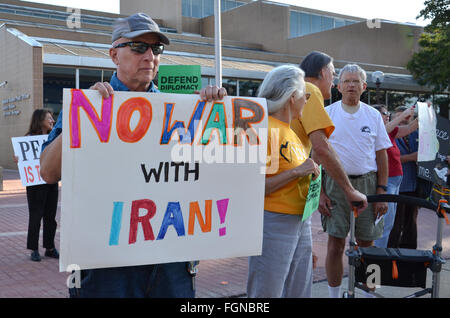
116, 84
409, 168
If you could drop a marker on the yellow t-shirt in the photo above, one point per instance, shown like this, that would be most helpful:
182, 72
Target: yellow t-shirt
314, 117
285, 149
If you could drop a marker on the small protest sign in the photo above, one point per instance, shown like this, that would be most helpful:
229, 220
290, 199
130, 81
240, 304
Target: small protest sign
28, 151
182, 79
312, 200
428, 142
434, 146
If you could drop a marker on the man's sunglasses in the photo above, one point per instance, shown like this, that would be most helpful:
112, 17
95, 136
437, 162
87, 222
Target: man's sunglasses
142, 47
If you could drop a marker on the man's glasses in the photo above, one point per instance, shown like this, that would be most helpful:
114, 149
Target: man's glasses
355, 82
142, 47
386, 113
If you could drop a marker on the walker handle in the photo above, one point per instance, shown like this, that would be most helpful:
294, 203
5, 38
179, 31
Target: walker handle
442, 211
408, 200
355, 206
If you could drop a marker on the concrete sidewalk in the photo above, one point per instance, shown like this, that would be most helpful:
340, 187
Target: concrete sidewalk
22, 278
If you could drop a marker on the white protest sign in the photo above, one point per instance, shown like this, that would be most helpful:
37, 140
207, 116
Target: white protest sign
137, 189
28, 151
428, 142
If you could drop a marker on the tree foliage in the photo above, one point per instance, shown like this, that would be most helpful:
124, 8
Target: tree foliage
431, 65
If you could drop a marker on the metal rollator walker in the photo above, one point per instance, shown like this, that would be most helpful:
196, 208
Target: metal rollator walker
397, 267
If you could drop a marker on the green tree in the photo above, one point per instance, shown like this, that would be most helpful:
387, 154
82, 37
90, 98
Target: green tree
431, 65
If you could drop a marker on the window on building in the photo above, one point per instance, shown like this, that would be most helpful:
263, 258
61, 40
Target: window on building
205, 8
186, 8
249, 88
301, 23
205, 81
52, 14
327, 23
339, 23
58, 78
89, 77
208, 8
196, 9
224, 4
294, 24
241, 87
229, 4
55, 79
107, 75
304, 23
316, 23
231, 86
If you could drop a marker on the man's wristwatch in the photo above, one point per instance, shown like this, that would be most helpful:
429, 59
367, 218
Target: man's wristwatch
382, 187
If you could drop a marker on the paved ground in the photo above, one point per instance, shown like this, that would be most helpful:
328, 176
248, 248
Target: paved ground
20, 277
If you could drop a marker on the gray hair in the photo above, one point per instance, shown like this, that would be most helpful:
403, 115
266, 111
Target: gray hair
353, 68
279, 85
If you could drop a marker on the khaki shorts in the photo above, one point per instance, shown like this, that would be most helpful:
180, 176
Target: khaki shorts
338, 225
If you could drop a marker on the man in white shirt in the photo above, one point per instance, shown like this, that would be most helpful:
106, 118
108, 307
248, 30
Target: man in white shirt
360, 140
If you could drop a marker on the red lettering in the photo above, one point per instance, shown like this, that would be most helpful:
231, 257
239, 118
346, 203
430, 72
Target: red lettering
135, 219
30, 173
37, 169
26, 174
124, 114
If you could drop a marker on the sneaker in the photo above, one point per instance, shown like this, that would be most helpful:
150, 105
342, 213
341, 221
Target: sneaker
53, 253
35, 257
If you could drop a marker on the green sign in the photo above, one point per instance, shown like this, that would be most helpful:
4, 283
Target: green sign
182, 79
312, 200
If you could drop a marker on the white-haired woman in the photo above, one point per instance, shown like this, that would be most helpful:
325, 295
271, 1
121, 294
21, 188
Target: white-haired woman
285, 267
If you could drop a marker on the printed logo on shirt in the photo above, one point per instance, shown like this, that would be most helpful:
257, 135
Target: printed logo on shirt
285, 146
365, 129
289, 149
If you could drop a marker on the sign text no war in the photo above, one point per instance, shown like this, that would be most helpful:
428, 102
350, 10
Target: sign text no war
125, 199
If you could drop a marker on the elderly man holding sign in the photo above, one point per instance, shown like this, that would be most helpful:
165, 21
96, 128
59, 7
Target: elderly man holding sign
137, 44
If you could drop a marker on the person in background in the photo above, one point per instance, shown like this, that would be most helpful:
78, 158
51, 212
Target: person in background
394, 130
314, 127
137, 45
285, 267
42, 198
404, 231
360, 140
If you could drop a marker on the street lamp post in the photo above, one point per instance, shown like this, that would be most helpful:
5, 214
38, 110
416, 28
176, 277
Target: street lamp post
378, 78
